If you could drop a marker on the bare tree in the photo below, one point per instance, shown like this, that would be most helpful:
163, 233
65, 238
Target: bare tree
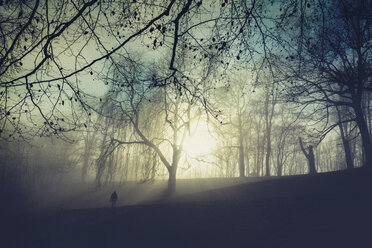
160, 116
270, 102
331, 56
231, 100
285, 133
89, 138
52, 49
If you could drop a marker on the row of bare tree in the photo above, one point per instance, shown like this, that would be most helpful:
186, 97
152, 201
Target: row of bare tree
139, 73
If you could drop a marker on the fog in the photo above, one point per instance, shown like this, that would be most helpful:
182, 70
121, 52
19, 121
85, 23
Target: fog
253, 113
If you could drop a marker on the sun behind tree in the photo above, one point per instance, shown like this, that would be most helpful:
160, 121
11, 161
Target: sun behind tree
201, 141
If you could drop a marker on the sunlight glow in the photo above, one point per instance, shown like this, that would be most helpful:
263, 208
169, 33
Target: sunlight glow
201, 142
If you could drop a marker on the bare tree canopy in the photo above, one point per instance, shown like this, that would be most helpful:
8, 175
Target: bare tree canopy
128, 82
53, 51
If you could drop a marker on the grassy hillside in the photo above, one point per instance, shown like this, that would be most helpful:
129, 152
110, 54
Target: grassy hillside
325, 210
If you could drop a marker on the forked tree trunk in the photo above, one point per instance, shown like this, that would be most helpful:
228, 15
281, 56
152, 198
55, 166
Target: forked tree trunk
309, 156
345, 142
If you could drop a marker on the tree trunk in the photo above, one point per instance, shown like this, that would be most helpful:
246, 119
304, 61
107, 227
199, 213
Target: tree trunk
85, 166
241, 146
279, 162
87, 155
268, 153
364, 133
280, 169
348, 155
171, 180
262, 155
258, 152
154, 165
241, 160
268, 117
311, 161
345, 142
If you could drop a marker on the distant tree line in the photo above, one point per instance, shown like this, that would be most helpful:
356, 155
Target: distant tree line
285, 84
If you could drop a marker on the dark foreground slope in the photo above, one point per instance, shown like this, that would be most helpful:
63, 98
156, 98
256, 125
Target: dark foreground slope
327, 210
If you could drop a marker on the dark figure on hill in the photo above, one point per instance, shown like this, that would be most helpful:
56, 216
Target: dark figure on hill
309, 156
113, 199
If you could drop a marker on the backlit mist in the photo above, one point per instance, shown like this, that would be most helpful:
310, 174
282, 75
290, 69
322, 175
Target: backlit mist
124, 108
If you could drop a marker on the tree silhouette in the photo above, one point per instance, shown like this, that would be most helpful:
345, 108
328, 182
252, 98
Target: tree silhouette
52, 50
330, 60
309, 156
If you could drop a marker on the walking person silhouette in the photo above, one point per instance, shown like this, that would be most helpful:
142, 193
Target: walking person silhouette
113, 199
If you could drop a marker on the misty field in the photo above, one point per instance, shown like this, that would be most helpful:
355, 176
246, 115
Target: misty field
325, 210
